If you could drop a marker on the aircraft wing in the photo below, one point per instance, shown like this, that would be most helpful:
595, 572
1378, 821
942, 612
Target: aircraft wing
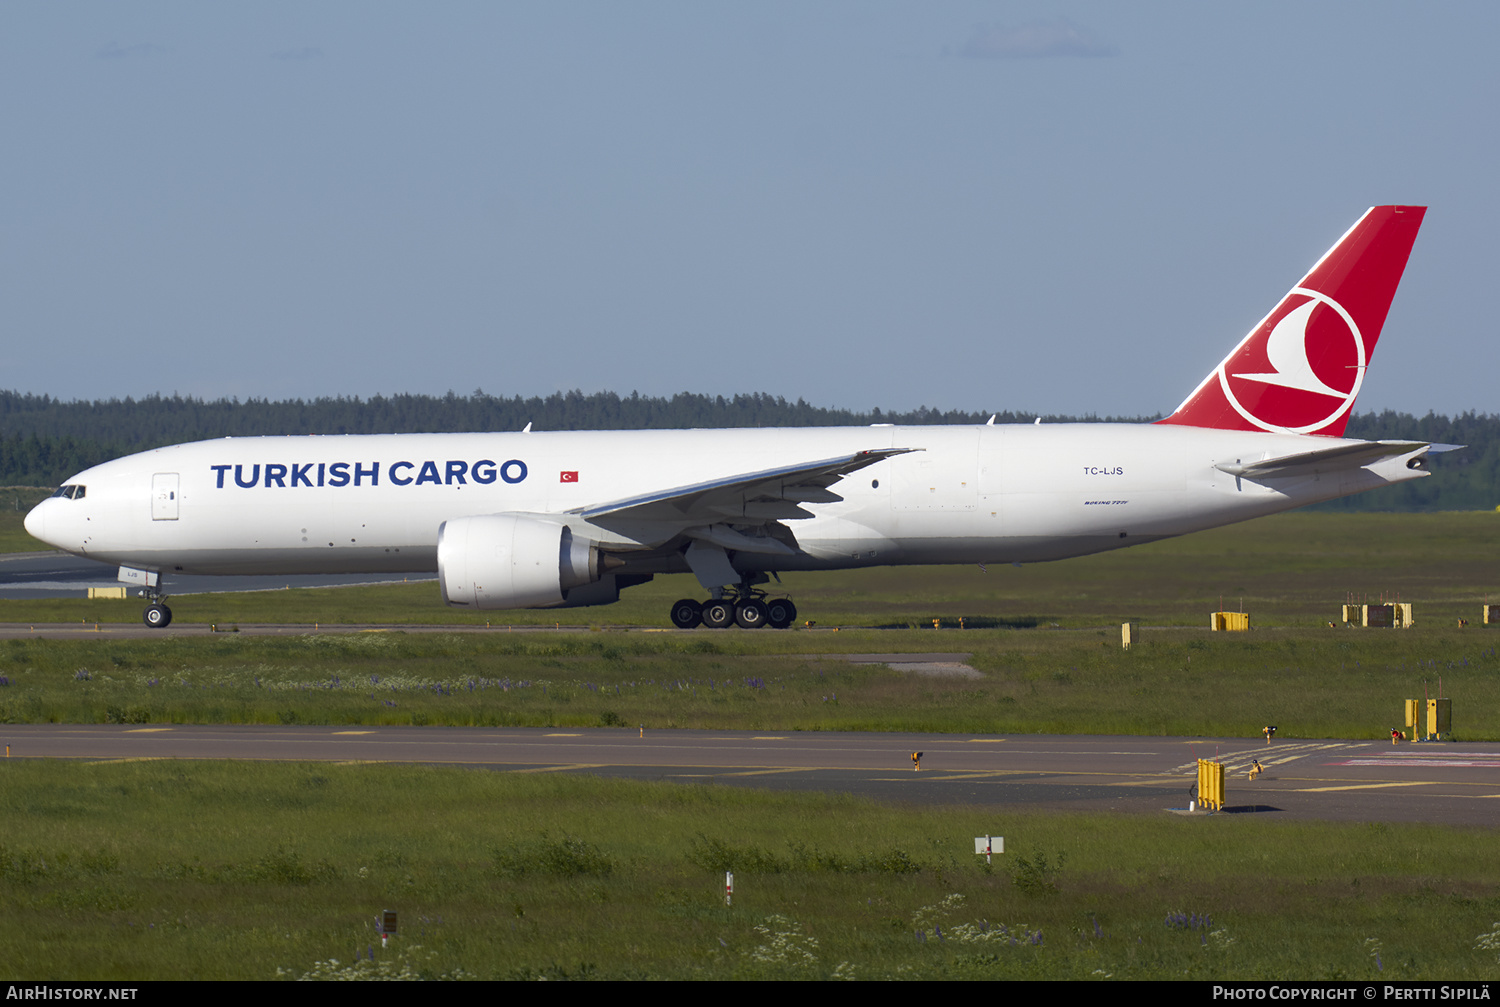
1342, 456
768, 495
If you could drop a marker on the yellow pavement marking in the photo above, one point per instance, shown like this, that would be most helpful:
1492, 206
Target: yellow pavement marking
987, 741
562, 735
764, 772
147, 730
1369, 786
1036, 776
564, 769
969, 774
762, 737
353, 732
141, 758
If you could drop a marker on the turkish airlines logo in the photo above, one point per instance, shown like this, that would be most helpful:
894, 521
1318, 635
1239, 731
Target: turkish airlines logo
1301, 369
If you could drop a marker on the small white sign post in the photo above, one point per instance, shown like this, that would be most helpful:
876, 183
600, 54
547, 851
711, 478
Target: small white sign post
385, 924
985, 845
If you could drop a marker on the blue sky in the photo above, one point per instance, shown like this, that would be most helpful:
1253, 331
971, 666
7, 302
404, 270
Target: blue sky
1062, 208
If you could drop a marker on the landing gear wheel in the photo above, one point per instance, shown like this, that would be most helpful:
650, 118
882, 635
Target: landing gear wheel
717, 614
750, 614
686, 613
157, 616
780, 613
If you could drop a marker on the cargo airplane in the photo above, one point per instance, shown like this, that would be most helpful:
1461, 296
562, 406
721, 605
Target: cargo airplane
536, 520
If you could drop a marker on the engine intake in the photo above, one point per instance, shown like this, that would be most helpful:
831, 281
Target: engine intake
512, 561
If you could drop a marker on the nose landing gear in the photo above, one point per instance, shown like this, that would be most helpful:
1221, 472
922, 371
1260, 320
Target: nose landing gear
157, 615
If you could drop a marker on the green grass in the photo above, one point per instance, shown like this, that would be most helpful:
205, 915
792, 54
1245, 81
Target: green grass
1288, 570
1311, 683
175, 870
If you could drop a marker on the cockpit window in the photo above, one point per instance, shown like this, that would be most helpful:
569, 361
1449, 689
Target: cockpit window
72, 492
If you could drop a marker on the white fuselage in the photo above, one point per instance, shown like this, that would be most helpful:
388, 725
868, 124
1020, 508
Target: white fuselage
984, 494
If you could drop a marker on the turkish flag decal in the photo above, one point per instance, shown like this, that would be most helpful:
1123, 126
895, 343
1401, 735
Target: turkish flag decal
569, 477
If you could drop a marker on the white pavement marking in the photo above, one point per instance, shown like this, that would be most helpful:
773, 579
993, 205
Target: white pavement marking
1271, 755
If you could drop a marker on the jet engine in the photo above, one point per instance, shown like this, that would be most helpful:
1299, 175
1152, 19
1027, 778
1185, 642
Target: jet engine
513, 561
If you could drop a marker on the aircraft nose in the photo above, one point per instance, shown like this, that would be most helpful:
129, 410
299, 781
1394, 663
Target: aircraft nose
36, 521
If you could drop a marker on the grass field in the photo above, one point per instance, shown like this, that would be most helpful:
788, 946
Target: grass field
1311, 683
169, 870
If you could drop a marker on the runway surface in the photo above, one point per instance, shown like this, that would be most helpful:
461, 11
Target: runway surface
1307, 780
56, 574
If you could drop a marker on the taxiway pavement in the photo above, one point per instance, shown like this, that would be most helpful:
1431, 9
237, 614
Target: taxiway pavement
1303, 779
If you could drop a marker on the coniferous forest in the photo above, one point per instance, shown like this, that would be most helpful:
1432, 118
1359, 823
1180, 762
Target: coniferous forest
44, 440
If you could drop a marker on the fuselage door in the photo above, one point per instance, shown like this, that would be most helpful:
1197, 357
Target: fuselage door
164, 496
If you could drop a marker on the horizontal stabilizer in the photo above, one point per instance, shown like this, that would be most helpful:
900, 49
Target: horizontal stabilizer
1344, 456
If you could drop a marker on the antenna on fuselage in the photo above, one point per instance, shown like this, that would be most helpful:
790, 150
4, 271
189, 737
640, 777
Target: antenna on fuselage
526, 429
991, 421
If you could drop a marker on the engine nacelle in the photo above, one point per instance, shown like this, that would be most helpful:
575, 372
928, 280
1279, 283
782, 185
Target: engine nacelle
512, 561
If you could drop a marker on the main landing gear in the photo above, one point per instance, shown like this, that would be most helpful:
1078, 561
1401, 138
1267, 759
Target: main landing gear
747, 609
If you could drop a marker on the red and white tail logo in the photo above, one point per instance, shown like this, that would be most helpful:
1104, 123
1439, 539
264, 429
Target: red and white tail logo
1300, 369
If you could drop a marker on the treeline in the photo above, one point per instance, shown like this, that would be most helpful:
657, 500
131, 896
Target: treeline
1460, 480
44, 440
157, 419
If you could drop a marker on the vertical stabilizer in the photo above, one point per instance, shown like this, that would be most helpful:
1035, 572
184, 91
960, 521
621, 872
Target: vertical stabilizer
1299, 370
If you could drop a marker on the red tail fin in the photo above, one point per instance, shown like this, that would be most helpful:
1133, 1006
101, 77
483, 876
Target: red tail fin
1299, 370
